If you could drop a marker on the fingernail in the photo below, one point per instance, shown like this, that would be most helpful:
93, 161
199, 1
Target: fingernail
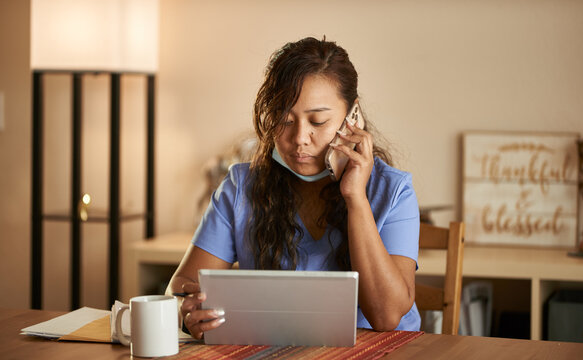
219, 313
340, 132
220, 321
333, 145
200, 296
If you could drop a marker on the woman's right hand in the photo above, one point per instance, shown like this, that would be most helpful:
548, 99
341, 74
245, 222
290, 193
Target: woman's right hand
196, 320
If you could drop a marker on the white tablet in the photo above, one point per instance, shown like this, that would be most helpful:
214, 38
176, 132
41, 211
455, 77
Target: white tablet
264, 307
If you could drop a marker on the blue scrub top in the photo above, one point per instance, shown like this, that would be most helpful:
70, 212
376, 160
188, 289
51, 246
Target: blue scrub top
223, 229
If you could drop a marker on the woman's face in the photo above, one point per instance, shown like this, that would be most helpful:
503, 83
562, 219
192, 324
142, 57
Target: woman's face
311, 125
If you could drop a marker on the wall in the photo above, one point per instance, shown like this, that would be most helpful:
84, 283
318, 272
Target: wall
15, 83
428, 71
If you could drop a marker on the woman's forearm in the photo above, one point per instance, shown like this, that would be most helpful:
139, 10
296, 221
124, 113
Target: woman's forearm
193, 260
384, 293
176, 282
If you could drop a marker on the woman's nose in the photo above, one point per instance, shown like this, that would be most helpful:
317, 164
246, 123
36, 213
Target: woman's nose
302, 134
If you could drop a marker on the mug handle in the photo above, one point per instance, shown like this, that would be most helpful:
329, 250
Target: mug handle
123, 339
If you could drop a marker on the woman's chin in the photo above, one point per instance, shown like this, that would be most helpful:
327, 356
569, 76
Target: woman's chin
311, 171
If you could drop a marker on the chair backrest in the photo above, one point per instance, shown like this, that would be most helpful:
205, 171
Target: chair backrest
448, 298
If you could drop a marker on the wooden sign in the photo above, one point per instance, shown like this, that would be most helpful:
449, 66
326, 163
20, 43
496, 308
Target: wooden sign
520, 188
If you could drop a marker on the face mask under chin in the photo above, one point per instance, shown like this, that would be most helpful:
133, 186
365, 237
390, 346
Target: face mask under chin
308, 178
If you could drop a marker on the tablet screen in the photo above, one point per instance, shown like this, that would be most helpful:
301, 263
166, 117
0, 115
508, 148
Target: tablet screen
265, 307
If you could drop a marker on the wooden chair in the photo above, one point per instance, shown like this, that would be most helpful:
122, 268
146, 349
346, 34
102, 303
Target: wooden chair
448, 298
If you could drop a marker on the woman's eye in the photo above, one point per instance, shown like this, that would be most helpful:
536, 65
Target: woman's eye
318, 123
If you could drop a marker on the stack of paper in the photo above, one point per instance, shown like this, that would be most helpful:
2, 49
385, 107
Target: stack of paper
92, 324
87, 324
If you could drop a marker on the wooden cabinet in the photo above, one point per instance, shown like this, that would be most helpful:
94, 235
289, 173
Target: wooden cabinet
152, 262
545, 269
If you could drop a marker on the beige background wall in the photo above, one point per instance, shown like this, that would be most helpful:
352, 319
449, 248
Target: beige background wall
15, 154
428, 71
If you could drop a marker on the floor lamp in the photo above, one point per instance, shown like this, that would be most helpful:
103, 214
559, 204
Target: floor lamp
114, 37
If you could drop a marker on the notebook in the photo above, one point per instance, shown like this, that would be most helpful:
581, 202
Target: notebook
265, 307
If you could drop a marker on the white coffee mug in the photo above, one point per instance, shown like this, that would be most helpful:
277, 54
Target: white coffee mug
153, 326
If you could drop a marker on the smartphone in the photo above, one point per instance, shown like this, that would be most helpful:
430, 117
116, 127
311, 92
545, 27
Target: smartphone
335, 160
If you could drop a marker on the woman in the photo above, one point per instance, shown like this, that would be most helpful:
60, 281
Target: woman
283, 211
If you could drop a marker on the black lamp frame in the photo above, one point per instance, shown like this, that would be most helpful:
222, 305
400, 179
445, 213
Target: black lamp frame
114, 215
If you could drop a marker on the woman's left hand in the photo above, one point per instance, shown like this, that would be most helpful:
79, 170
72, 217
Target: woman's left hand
359, 167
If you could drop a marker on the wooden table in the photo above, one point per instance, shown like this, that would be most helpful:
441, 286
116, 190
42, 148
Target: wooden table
16, 346
427, 346
435, 347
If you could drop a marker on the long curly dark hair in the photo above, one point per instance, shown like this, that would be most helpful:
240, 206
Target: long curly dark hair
274, 232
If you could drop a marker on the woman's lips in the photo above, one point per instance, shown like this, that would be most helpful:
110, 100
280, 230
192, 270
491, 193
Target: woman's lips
302, 157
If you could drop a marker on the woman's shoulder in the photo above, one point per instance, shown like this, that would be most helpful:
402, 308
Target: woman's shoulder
389, 187
383, 173
238, 172
240, 168
234, 180
233, 185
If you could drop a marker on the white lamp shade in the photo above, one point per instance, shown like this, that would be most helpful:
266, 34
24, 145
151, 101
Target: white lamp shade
101, 35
